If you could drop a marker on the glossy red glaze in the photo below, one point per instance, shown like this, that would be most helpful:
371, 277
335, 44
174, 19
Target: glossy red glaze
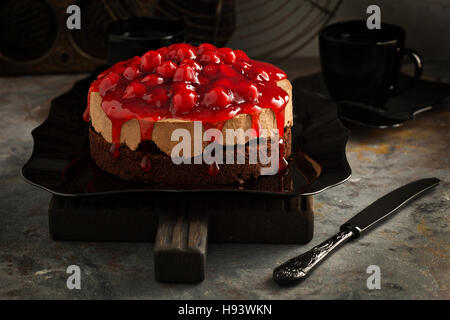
182, 81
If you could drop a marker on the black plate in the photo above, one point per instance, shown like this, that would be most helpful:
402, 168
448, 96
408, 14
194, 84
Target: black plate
61, 162
424, 96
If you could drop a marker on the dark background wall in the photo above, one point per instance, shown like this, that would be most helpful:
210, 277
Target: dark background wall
427, 23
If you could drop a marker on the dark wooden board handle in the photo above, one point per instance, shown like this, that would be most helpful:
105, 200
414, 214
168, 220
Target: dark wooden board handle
180, 246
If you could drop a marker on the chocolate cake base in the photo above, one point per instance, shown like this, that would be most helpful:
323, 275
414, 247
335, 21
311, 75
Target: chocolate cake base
127, 165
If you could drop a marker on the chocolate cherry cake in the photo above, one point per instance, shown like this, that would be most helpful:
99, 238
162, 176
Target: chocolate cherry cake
135, 106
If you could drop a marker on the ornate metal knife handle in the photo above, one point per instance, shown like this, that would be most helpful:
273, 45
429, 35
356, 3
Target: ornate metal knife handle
298, 268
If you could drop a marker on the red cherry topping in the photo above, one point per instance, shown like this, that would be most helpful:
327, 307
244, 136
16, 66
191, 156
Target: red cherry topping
182, 86
108, 82
150, 60
152, 79
185, 53
183, 101
210, 70
131, 72
163, 50
209, 57
261, 75
136, 60
206, 47
191, 63
216, 97
248, 91
227, 55
209, 84
134, 89
228, 72
203, 81
166, 69
242, 66
252, 92
157, 97
119, 68
186, 74
278, 101
240, 54
171, 55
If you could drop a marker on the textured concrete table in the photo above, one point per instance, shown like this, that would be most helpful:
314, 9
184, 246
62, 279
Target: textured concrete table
412, 249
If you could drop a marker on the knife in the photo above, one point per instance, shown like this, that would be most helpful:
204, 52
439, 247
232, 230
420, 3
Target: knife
298, 268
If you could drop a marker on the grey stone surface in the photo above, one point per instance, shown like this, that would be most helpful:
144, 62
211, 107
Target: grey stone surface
412, 248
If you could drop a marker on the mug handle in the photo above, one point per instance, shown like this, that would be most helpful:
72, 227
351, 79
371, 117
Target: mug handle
418, 68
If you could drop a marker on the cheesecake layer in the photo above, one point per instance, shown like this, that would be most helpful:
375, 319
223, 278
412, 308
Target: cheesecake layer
131, 131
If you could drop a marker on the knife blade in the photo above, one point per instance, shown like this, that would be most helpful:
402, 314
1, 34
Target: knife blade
297, 269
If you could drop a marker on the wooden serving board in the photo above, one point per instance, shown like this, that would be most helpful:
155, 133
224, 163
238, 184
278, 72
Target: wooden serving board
182, 224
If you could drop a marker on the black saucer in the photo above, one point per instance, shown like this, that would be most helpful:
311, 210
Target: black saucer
424, 96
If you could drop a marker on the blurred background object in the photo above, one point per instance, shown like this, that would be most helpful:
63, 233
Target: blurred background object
34, 37
274, 30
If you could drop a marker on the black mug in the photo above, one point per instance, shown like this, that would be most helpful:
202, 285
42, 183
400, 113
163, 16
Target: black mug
135, 36
361, 66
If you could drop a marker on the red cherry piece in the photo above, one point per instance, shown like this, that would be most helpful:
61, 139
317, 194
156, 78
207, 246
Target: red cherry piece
252, 92
242, 66
186, 74
152, 80
171, 55
191, 63
248, 91
182, 86
134, 89
216, 97
150, 60
203, 81
227, 55
210, 70
108, 82
175, 46
166, 69
228, 71
157, 97
224, 83
209, 57
131, 72
136, 61
104, 73
118, 67
183, 101
240, 54
205, 47
163, 50
185, 53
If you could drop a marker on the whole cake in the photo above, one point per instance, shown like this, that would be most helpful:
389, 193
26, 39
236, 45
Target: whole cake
141, 109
